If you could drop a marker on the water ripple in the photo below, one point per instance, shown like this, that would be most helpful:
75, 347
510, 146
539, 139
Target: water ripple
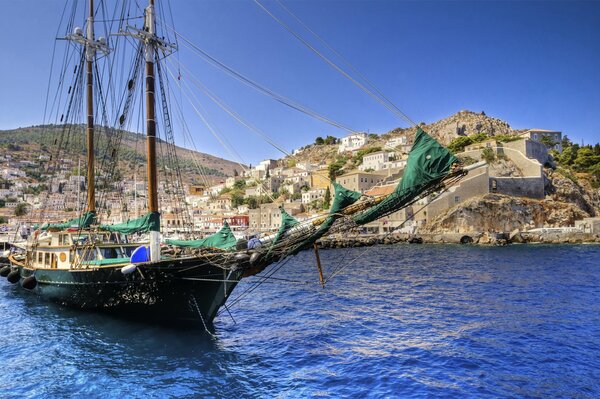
403, 321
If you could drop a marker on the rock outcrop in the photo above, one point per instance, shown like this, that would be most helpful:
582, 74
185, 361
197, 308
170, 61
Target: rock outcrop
494, 212
463, 123
562, 189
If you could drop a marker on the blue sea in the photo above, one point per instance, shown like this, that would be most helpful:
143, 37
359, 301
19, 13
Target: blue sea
404, 321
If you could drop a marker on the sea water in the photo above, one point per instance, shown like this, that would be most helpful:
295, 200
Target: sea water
395, 322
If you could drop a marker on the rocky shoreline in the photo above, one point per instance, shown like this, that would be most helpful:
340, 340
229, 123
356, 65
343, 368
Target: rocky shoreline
338, 241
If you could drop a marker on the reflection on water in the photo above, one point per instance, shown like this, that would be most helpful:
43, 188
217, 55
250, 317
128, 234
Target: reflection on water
408, 320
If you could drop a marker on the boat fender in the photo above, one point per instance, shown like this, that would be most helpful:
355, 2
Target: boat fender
6, 253
14, 276
254, 258
29, 283
5, 271
128, 269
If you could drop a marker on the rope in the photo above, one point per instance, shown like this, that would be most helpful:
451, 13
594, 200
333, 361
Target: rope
260, 88
335, 272
382, 100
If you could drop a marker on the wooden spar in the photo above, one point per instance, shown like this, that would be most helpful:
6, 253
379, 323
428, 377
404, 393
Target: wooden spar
91, 203
151, 139
150, 115
316, 247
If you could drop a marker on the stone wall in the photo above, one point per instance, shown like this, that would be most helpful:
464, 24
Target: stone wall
476, 183
529, 167
531, 187
531, 149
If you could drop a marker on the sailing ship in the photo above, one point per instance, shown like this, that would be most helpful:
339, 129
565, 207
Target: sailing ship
85, 264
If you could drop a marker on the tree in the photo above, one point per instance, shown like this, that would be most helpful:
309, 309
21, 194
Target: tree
595, 172
458, 144
585, 159
319, 141
568, 155
252, 202
565, 142
21, 209
597, 149
331, 140
488, 155
373, 136
237, 199
548, 141
327, 199
239, 184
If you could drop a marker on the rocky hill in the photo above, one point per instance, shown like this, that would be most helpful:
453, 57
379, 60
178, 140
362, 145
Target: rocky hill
463, 123
38, 139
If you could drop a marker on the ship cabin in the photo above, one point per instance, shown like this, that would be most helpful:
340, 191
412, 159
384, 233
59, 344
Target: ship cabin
81, 249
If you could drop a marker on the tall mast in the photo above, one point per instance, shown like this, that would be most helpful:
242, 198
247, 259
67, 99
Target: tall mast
150, 111
90, 53
152, 45
91, 45
150, 51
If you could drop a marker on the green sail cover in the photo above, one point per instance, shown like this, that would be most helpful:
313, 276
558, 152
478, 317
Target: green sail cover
148, 222
82, 222
343, 197
222, 239
428, 162
287, 222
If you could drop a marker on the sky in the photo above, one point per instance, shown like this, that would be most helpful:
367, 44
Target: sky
532, 64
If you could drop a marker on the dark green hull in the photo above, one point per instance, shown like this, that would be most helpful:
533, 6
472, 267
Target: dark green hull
183, 290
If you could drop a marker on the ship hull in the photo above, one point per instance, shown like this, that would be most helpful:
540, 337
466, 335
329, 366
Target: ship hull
182, 291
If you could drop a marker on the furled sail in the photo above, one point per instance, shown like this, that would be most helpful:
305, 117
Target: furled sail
287, 222
428, 164
144, 224
222, 239
81, 222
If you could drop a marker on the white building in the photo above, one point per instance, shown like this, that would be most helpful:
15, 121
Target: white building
375, 160
312, 195
352, 142
395, 142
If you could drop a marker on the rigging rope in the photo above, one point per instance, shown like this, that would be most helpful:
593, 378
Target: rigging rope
260, 88
377, 97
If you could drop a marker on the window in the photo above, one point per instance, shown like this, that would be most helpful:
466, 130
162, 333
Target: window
456, 199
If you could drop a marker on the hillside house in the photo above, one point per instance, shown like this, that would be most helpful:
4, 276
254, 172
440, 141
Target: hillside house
353, 142
360, 181
312, 195
539, 134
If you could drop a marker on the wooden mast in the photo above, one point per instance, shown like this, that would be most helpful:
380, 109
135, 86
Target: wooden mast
150, 51
151, 114
89, 56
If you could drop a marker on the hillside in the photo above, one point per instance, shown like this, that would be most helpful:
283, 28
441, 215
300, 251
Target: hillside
463, 123
37, 139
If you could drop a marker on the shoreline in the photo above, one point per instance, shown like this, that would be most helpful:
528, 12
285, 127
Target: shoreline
474, 238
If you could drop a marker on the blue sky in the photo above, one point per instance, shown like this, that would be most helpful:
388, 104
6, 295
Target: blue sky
533, 64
